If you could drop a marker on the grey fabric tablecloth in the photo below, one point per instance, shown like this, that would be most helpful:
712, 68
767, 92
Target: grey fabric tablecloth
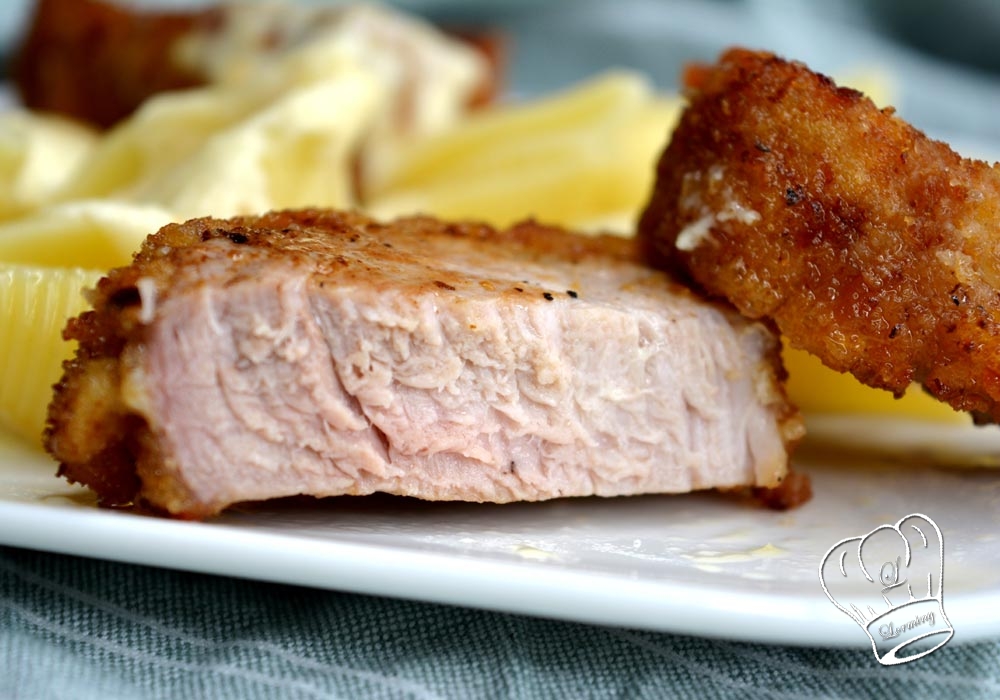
78, 628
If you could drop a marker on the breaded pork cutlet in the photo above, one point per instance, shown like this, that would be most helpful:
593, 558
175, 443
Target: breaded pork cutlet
324, 353
870, 245
97, 61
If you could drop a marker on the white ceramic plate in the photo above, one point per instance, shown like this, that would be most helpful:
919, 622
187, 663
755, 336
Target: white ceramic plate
699, 564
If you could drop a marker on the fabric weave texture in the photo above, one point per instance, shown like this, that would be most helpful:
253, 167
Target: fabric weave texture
80, 628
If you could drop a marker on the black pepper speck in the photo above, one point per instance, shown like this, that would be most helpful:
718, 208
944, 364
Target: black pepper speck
793, 195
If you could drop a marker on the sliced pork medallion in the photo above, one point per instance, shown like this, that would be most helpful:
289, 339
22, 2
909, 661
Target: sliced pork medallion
324, 353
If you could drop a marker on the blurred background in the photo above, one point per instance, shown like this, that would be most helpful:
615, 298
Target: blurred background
939, 59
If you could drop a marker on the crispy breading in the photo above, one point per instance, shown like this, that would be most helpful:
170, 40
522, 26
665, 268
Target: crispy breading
97, 61
869, 244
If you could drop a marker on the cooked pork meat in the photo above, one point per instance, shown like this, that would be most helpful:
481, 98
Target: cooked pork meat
324, 353
867, 243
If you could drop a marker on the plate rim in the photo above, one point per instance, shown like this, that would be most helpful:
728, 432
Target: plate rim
524, 587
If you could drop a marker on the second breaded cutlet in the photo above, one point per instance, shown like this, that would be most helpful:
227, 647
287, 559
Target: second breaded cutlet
869, 244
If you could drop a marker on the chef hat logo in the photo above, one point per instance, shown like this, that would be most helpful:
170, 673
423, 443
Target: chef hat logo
890, 582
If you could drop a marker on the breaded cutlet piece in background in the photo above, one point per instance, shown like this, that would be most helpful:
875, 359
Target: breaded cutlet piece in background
868, 244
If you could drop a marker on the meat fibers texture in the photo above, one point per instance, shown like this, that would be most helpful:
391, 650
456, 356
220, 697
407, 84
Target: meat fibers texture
324, 353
